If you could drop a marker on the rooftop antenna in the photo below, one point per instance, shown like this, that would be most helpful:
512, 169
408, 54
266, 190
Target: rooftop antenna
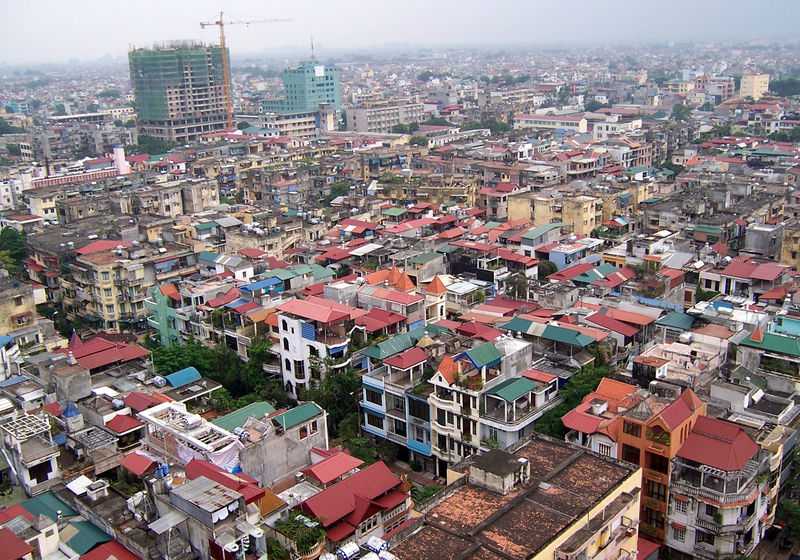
312, 47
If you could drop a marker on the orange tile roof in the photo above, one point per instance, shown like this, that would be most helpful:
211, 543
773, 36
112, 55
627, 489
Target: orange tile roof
448, 368
436, 286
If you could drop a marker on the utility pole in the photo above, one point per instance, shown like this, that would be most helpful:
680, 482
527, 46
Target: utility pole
226, 67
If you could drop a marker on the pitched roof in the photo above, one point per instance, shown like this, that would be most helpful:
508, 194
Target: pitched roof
87, 537
448, 368
13, 547
630, 317
679, 410
483, 354
512, 389
297, 415
48, 504
340, 500
335, 466
111, 550
408, 358
123, 423
237, 418
14, 511
612, 324
137, 463
566, 336
719, 444
676, 320
183, 377
238, 483
312, 311
774, 343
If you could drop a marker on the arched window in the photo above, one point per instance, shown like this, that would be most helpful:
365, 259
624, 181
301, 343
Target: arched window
285, 325
286, 344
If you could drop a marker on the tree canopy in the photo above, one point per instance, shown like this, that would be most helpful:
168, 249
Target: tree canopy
6, 128
12, 250
680, 112
580, 385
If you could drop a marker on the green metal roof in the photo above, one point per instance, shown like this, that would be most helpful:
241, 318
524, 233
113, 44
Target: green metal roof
237, 418
87, 537
567, 336
321, 272
394, 212
539, 231
676, 320
484, 354
708, 229
280, 274
205, 225
395, 345
601, 271
512, 389
446, 248
775, 343
517, 324
298, 415
48, 504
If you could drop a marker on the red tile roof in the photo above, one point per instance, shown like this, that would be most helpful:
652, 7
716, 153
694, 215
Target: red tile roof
123, 423
12, 512
679, 410
613, 324
335, 466
349, 501
377, 319
312, 311
98, 352
13, 547
102, 245
408, 358
139, 401
137, 464
223, 299
719, 444
478, 330
571, 272
111, 550
448, 368
245, 486
538, 375
630, 317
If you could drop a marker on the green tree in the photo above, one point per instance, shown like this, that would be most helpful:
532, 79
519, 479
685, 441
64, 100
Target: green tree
438, 121
12, 250
59, 110
580, 385
118, 122
545, 269
518, 286
14, 150
6, 128
786, 87
680, 112
241, 125
150, 145
594, 105
130, 123
418, 141
109, 94
338, 395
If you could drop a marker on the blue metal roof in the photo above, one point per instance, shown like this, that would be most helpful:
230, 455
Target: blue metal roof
261, 284
236, 303
13, 380
5, 341
183, 377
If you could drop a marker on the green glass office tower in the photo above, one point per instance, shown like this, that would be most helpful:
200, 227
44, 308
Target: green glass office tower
179, 90
307, 87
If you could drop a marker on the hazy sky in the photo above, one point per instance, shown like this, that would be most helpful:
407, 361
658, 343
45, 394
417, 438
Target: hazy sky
33, 31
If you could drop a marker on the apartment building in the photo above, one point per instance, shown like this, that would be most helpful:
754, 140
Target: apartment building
541, 500
461, 423
717, 492
109, 280
382, 116
574, 122
643, 428
314, 340
754, 85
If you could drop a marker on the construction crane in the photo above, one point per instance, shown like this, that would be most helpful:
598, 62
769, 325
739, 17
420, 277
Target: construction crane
226, 69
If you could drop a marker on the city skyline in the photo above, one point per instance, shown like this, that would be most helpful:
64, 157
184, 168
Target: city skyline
50, 34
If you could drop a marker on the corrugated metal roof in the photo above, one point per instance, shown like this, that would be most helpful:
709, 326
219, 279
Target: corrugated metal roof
183, 377
512, 389
237, 418
298, 415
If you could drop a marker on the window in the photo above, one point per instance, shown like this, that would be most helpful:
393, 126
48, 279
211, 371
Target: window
107, 292
711, 511
287, 364
284, 325
652, 518
656, 462
419, 409
631, 428
109, 309
679, 533
702, 537
286, 344
373, 396
18, 300
681, 506
655, 490
303, 432
441, 417
630, 454
314, 427
374, 420
104, 276
604, 449
441, 442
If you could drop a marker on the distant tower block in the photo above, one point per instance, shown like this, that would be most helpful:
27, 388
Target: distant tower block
120, 163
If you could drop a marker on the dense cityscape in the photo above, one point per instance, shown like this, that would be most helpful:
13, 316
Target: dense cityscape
413, 303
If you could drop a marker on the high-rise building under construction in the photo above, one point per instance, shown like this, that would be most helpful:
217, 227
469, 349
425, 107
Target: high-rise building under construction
179, 89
